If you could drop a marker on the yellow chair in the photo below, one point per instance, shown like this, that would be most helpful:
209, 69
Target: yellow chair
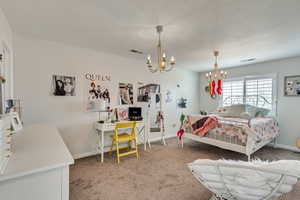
124, 137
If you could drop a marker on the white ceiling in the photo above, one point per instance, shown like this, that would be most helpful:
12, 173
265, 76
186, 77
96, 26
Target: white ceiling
240, 29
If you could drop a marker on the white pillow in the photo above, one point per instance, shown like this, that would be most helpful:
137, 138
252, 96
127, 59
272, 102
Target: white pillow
230, 111
245, 115
254, 111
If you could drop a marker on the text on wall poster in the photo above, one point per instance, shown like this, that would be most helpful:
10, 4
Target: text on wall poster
97, 77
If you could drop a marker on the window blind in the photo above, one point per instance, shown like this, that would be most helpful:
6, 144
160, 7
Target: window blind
233, 92
256, 91
259, 92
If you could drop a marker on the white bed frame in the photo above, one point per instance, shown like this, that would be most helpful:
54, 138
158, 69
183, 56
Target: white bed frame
230, 143
232, 146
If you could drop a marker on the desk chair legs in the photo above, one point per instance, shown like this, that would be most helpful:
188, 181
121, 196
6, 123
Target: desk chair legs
130, 151
118, 153
136, 148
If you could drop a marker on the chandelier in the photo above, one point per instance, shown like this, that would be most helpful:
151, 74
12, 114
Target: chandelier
163, 65
216, 74
215, 78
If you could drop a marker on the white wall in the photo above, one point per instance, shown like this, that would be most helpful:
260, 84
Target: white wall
288, 107
36, 61
6, 39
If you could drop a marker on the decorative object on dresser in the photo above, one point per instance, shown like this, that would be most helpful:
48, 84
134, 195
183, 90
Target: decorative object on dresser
13, 105
16, 123
163, 65
292, 86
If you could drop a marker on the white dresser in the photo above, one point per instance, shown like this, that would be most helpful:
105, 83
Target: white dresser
38, 168
5, 142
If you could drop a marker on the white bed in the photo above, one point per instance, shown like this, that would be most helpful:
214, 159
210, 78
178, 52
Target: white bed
232, 146
247, 145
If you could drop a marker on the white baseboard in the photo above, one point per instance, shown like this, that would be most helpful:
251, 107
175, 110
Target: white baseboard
286, 147
106, 149
87, 154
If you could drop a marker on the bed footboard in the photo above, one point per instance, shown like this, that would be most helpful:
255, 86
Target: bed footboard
228, 143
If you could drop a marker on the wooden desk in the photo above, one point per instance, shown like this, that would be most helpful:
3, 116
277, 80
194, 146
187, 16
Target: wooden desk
102, 128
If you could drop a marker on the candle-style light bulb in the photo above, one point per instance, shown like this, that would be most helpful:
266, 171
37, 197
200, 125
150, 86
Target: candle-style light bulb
149, 60
172, 60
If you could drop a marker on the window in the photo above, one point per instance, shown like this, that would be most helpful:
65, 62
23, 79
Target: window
256, 91
234, 88
259, 92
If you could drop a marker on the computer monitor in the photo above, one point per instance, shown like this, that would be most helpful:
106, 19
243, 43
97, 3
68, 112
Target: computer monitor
135, 113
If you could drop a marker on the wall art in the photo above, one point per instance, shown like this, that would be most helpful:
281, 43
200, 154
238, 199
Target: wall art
144, 92
126, 93
63, 85
292, 86
98, 91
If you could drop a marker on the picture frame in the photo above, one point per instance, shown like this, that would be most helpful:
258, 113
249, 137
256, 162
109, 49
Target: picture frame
122, 113
292, 86
16, 123
63, 85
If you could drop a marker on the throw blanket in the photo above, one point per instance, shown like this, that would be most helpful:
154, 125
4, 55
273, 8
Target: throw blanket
200, 125
257, 128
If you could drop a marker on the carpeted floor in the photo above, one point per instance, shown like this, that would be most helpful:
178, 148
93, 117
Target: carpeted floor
159, 174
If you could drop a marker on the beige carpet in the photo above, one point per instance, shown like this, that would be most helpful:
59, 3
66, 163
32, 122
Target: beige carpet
160, 173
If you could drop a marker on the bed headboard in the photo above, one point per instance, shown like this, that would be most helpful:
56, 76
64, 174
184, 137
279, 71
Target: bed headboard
256, 100
250, 99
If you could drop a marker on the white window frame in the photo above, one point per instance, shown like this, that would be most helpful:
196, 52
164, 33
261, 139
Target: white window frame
274, 88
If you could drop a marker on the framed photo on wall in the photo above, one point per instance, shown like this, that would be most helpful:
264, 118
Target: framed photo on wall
126, 93
63, 85
292, 86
